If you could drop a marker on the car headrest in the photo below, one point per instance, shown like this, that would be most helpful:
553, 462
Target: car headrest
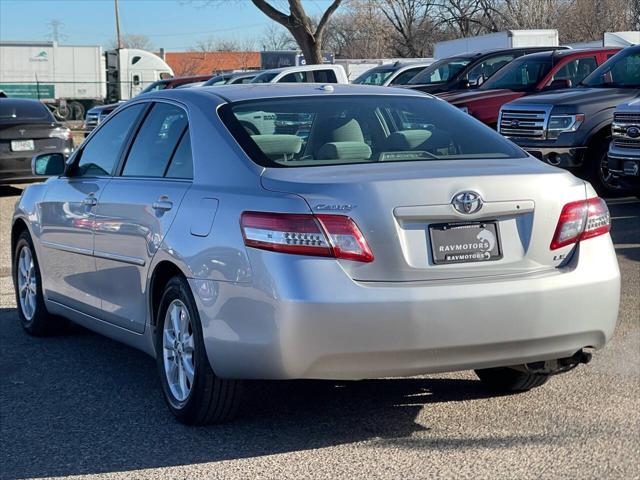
344, 151
278, 146
408, 139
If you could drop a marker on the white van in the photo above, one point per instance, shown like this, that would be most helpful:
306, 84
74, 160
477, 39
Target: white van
304, 74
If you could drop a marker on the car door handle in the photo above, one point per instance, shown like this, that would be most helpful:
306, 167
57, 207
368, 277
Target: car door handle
162, 204
90, 201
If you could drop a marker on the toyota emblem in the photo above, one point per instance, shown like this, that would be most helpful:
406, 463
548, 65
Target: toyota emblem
467, 202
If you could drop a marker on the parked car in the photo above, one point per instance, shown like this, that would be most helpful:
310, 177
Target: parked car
397, 73
530, 74
624, 149
399, 236
572, 128
467, 71
304, 74
231, 78
98, 113
28, 128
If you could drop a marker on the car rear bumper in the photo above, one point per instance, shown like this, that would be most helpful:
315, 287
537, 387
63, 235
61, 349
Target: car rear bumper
304, 318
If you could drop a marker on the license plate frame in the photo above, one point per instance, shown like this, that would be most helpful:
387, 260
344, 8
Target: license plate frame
22, 145
466, 245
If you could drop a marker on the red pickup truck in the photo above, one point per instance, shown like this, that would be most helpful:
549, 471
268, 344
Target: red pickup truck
534, 73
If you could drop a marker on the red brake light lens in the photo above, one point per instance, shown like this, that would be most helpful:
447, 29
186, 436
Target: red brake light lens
581, 220
305, 234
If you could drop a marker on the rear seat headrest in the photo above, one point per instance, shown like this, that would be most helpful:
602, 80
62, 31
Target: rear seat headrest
278, 146
408, 139
344, 151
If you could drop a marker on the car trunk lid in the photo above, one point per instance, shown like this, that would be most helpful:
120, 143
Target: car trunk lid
395, 204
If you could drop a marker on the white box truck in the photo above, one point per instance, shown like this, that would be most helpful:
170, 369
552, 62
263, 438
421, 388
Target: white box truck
506, 39
73, 78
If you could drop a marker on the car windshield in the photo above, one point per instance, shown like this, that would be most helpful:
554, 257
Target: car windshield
322, 130
265, 77
441, 71
521, 75
375, 76
24, 110
620, 71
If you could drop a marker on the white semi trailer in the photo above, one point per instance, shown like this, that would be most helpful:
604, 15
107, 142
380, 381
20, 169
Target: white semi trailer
73, 78
498, 40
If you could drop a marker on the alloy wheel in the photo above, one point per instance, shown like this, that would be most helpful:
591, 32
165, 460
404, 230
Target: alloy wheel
178, 350
27, 283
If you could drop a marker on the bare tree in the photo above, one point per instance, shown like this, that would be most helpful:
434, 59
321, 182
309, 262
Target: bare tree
309, 36
360, 31
277, 38
584, 20
413, 23
132, 40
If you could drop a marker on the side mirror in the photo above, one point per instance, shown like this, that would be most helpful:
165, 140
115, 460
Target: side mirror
48, 164
559, 83
473, 81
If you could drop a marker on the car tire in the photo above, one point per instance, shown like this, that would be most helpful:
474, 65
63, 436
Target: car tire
182, 362
510, 380
597, 171
27, 282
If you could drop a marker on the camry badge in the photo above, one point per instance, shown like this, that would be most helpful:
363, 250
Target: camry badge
467, 202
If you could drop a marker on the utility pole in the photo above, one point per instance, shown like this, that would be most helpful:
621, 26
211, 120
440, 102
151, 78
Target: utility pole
118, 37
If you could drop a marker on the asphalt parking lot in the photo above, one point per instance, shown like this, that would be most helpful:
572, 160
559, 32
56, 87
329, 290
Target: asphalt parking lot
81, 404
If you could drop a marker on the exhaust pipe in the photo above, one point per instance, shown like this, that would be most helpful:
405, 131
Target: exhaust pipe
561, 365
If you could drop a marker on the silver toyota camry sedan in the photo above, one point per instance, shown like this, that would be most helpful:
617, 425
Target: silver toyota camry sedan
319, 232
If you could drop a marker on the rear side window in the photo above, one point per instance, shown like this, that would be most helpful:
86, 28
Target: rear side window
102, 151
156, 141
325, 76
181, 165
323, 130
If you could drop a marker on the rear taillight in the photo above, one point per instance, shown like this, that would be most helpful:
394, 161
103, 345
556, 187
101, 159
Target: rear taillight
62, 133
305, 234
581, 220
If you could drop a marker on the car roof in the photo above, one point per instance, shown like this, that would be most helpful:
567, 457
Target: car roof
570, 52
259, 91
300, 68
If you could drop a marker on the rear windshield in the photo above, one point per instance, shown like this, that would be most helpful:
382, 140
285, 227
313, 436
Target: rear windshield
441, 71
17, 110
521, 75
323, 130
376, 76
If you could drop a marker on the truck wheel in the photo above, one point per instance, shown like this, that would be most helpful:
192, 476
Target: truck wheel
510, 380
597, 171
63, 112
77, 111
192, 391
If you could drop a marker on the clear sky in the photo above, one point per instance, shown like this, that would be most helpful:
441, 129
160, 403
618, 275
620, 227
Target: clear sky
172, 24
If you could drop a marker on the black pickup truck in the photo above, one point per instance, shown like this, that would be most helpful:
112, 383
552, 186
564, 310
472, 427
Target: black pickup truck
572, 128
